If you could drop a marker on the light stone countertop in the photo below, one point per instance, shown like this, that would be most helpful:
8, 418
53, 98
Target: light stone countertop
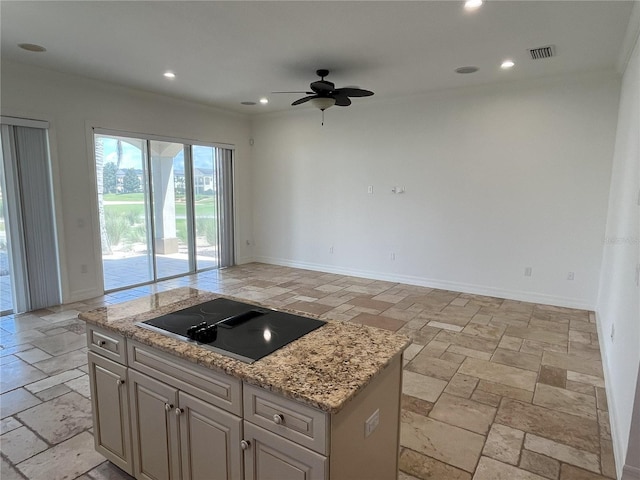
325, 368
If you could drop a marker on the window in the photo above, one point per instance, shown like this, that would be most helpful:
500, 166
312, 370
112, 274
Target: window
165, 207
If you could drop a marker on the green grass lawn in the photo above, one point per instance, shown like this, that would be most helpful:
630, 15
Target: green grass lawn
205, 205
124, 197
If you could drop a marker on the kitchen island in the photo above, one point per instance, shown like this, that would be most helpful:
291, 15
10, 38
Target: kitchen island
325, 406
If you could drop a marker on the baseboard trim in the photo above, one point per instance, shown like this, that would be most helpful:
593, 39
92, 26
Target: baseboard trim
617, 441
433, 283
80, 295
630, 473
244, 260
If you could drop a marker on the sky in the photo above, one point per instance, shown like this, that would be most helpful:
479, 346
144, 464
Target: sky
132, 155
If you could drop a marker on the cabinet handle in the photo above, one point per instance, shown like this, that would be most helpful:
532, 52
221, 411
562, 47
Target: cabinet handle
119, 382
168, 407
278, 419
178, 411
245, 444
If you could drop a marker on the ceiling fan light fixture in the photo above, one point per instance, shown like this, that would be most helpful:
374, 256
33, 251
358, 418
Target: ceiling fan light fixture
323, 103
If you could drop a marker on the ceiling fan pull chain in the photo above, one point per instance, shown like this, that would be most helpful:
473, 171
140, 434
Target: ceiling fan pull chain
323, 117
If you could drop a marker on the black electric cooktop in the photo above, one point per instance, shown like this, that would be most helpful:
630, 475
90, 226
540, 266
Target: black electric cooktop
240, 330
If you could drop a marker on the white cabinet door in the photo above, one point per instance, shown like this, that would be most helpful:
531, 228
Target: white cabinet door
156, 451
110, 404
270, 457
209, 441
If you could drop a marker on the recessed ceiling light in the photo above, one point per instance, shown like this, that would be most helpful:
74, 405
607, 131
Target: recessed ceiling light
469, 69
264, 100
507, 64
472, 4
248, 103
32, 47
169, 74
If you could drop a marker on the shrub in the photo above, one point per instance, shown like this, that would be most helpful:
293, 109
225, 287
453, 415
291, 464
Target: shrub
207, 228
115, 225
132, 217
181, 230
137, 234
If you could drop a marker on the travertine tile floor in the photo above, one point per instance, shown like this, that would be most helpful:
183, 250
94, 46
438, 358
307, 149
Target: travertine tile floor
493, 389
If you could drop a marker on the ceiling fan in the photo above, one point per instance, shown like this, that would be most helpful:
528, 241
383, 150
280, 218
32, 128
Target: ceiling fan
324, 93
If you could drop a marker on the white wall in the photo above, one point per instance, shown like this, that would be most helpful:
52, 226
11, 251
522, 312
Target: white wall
619, 299
74, 104
497, 178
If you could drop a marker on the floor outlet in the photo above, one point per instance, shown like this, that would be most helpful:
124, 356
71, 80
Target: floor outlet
372, 423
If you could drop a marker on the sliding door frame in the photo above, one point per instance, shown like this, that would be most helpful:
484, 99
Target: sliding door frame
188, 145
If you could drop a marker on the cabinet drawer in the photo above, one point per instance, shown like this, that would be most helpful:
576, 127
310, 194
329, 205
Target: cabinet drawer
107, 343
215, 388
300, 423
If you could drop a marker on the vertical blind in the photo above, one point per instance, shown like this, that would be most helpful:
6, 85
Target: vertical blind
31, 217
225, 200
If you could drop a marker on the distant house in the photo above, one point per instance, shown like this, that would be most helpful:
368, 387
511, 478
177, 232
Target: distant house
202, 180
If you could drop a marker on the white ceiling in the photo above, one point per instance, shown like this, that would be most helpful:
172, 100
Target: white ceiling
227, 52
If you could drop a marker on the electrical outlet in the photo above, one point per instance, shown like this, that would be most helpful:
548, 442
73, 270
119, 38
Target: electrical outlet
392, 256
527, 271
331, 249
372, 423
571, 276
370, 189
83, 268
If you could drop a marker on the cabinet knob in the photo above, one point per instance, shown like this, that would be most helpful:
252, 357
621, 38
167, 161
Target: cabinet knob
245, 444
168, 407
278, 419
102, 343
178, 411
119, 382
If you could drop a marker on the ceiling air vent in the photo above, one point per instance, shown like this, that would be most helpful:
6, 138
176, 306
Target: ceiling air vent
542, 52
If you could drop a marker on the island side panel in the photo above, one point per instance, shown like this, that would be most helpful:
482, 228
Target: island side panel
374, 457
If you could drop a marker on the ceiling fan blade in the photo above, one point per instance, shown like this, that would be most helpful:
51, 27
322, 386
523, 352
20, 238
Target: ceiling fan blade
342, 100
308, 93
304, 99
322, 86
353, 92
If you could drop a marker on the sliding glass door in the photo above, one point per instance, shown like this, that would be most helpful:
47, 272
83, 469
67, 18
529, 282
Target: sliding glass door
205, 206
161, 205
124, 210
6, 287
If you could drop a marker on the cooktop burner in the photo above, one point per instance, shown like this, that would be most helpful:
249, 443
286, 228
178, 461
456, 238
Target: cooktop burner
240, 330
